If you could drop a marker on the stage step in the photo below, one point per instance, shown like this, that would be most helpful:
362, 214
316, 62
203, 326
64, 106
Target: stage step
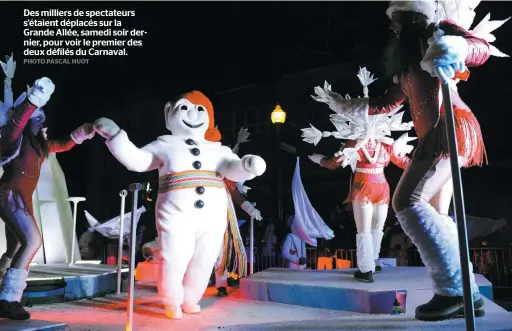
83, 280
337, 289
30, 325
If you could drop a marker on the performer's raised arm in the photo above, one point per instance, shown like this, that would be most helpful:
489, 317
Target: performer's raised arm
38, 96
77, 137
133, 158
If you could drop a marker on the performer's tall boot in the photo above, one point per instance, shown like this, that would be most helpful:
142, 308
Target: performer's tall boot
15, 282
377, 241
365, 258
436, 240
5, 263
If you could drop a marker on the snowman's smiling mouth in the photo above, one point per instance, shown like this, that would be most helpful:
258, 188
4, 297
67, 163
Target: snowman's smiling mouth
193, 126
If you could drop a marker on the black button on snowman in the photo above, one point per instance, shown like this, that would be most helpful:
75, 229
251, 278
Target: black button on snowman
197, 165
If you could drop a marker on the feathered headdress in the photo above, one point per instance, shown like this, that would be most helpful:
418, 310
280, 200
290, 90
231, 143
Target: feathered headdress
362, 129
461, 12
376, 128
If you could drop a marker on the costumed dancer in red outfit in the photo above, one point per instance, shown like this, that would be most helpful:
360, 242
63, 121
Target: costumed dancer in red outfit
23, 148
368, 151
238, 193
427, 40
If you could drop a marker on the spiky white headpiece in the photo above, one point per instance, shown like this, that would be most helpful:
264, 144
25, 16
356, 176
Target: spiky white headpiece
362, 129
460, 11
375, 128
437, 10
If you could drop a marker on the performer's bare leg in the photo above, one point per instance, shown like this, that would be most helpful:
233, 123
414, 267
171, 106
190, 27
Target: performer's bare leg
25, 244
442, 200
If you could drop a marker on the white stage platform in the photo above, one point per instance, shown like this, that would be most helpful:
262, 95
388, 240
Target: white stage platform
337, 289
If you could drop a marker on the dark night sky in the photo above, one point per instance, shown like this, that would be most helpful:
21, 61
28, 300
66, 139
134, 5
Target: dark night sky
211, 46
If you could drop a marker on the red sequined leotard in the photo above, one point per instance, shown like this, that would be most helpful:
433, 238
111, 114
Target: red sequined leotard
22, 173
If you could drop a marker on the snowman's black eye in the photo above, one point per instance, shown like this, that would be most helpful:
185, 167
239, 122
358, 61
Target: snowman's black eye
200, 108
184, 107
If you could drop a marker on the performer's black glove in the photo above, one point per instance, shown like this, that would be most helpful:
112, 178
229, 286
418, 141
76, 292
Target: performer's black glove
302, 261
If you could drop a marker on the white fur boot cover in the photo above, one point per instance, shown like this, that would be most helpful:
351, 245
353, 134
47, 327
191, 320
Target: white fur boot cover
15, 282
436, 240
5, 263
452, 228
365, 259
377, 241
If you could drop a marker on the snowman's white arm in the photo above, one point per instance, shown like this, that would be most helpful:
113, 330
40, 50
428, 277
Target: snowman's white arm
232, 166
134, 158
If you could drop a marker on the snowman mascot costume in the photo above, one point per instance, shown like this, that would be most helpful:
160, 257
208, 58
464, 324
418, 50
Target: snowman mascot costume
193, 208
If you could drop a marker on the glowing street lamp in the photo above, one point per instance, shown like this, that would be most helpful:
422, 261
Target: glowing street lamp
278, 116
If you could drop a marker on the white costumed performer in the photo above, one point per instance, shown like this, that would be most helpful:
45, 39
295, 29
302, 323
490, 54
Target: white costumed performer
368, 151
151, 250
193, 205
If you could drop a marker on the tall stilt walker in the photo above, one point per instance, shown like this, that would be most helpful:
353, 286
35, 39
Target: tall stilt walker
428, 37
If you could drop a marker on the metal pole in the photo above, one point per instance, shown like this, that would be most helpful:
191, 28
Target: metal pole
279, 174
458, 203
75, 201
123, 195
251, 248
134, 188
